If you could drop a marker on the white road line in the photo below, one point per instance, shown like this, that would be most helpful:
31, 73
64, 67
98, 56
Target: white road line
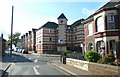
36, 60
36, 71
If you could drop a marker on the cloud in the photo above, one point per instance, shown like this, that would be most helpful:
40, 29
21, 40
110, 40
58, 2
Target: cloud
87, 12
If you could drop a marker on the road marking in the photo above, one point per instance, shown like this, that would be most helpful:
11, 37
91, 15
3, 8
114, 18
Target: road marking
36, 71
37, 66
36, 60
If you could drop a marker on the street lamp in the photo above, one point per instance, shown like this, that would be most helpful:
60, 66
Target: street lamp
61, 42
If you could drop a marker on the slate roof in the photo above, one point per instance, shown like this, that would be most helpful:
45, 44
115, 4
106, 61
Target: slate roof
62, 16
76, 23
51, 25
108, 5
34, 30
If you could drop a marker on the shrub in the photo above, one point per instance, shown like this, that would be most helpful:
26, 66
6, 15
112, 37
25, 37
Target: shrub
92, 56
65, 52
111, 59
103, 60
107, 59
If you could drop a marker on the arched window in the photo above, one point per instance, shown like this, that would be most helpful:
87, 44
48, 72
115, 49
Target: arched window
100, 24
90, 46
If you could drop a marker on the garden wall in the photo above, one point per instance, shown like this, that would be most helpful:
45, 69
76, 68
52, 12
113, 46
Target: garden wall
99, 69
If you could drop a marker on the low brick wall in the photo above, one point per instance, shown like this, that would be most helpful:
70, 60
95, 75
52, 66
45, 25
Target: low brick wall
103, 69
98, 69
77, 63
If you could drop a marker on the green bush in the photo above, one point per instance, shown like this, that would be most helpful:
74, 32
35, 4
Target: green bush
111, 59
64, 53
107, 59
103, 60
92, 56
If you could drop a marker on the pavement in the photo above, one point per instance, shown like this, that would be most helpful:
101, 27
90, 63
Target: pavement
70, 69
4, 67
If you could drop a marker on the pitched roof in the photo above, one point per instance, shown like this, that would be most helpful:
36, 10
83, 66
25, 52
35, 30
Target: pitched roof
62, 16
90, 18
76, 23
109, 5
34, 30
51, 25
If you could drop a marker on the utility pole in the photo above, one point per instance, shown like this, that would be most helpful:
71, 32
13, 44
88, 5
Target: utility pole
11, 31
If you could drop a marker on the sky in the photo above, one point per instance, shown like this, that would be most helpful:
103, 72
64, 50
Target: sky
30, 14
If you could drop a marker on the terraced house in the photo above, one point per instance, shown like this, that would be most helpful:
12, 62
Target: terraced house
102, 30
58, 37
28, 40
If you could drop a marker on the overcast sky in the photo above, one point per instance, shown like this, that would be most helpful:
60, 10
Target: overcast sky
30, 14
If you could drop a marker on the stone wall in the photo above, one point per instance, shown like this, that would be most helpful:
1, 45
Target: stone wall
95, 68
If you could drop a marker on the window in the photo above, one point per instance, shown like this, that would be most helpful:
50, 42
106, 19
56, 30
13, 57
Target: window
90, 30
61, 21
112, 45
90, 46
75, 37
111, 23
100, 24
100, 46
50, 38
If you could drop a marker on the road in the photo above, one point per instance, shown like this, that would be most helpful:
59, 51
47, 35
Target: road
28, 64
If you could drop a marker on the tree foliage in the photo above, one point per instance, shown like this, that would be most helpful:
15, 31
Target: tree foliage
15, 38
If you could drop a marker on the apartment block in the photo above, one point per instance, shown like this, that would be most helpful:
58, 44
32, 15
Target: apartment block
58, 37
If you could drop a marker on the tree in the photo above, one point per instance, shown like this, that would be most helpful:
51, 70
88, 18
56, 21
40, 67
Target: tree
15, 38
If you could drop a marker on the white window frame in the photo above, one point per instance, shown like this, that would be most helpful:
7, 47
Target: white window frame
90, 29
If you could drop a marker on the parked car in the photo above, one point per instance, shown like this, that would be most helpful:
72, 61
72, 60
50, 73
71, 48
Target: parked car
17, 49
24, 51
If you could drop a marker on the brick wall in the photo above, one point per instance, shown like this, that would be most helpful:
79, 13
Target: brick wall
95, 68
103, 69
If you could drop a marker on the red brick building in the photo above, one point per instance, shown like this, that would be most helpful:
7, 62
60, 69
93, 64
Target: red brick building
102, 30
48, 36
28, 40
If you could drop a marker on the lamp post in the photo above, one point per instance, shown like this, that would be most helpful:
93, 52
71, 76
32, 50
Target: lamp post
60, 43
11, 30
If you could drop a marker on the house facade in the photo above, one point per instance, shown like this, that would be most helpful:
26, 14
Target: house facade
77, 35
33, 39
28, 40
102, 30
